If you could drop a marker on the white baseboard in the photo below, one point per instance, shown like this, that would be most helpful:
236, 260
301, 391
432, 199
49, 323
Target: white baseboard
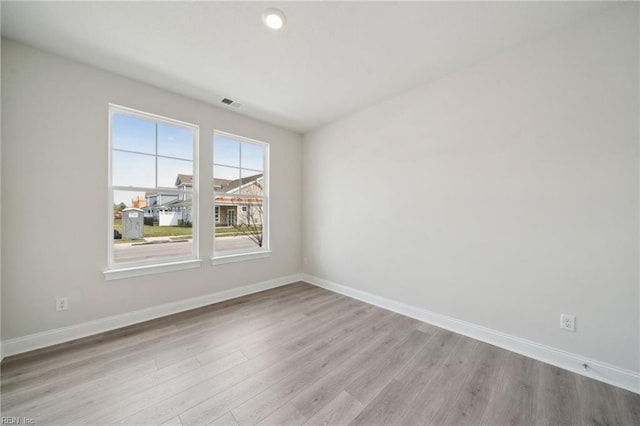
607, 373
66, 334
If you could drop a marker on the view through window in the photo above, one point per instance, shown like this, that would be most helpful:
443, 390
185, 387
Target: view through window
152, 187
240, 193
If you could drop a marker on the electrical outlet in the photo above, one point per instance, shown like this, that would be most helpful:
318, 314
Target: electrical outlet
568, 322
62, 304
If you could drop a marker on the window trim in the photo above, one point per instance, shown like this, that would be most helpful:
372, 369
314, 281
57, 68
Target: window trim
248, 253
140, 270
115, 270
240, 257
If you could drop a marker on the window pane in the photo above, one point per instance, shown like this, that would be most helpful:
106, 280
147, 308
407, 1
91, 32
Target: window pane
143, 231
240, 224
238, 171
252, 183
133, 134
128, 199
175, 141
226, 151
154, 223
133, 169
252, 156
225, 175
169, 169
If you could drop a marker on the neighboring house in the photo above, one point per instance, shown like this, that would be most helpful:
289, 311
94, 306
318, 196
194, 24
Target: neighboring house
184, 182
231, 210
167, 208
159, 203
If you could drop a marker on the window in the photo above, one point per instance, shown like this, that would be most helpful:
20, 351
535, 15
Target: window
152, 189
240, 181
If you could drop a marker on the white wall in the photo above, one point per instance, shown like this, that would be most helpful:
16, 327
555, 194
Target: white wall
54, 160
502, 195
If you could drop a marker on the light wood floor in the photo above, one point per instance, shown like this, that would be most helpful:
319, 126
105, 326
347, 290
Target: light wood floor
299, 355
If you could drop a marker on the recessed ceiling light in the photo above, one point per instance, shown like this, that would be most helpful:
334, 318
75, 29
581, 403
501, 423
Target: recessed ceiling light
274, 18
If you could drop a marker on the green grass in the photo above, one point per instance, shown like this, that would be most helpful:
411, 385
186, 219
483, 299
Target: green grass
228, 232
171, 231
222, 231
157, 231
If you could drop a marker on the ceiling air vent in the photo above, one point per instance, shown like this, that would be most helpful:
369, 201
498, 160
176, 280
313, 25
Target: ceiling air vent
231, 103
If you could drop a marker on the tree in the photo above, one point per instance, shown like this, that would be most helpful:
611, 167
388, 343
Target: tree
251, 225
117, 208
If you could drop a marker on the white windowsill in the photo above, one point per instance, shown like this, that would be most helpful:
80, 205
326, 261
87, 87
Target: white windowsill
137, 271
240, 257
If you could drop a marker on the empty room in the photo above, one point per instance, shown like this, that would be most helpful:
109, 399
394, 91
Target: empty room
313, 213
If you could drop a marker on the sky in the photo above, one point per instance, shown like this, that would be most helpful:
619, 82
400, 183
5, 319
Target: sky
151, 154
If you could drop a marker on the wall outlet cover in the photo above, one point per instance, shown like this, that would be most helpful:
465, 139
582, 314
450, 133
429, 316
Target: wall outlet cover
568, 322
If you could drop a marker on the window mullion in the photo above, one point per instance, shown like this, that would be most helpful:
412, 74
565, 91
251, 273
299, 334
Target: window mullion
156, 155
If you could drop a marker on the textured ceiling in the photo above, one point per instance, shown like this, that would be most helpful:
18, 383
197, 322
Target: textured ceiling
332, 58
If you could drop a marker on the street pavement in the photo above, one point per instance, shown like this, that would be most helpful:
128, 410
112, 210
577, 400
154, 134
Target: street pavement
159, 247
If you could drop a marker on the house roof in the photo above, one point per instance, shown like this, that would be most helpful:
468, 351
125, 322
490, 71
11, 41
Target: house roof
184, 179
172, 203
160, 191
235, 184
220, 185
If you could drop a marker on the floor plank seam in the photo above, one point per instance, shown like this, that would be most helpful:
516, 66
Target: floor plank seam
293, 355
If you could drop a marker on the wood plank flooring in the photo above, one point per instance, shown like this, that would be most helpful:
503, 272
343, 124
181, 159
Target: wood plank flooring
298, 355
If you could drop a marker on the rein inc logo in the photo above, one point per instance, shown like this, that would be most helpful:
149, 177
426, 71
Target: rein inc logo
17, 421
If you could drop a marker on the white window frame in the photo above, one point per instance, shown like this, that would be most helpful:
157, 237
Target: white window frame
117, 270
229, 256
216, 214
